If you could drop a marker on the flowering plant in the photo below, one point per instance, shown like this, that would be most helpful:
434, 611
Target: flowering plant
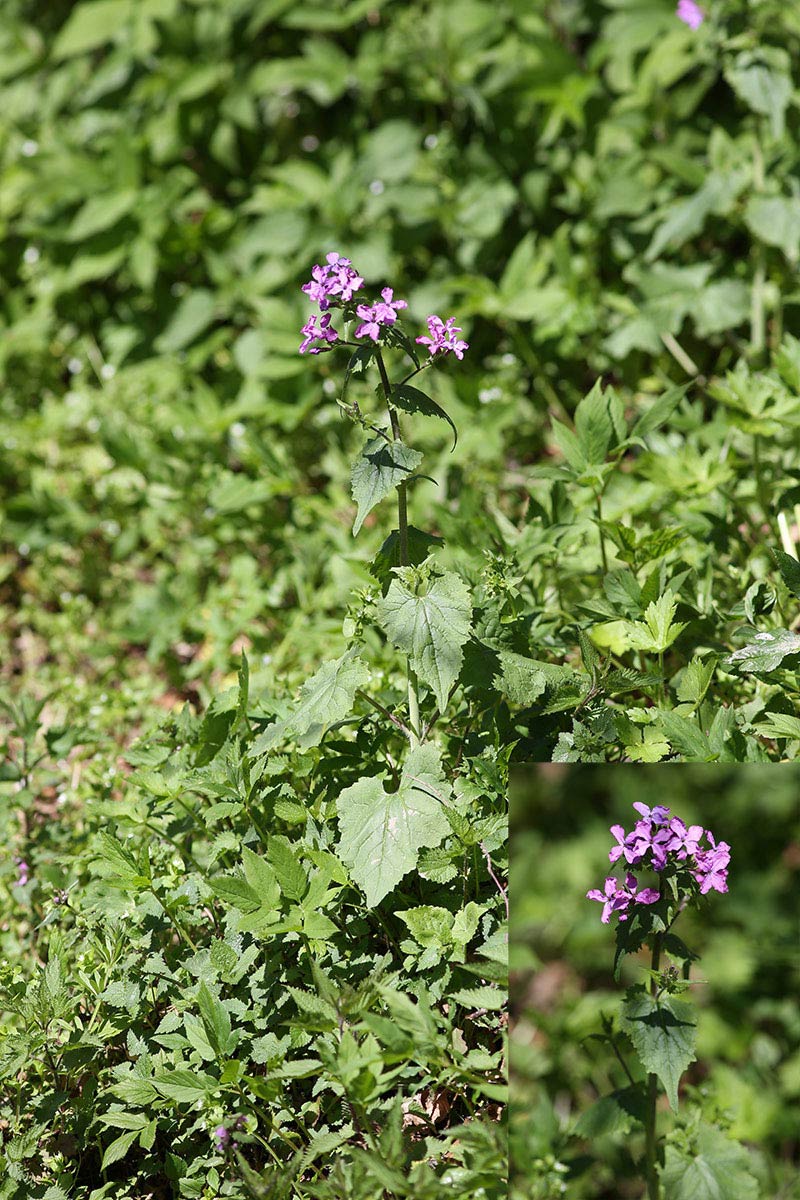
682, 863
424, 613
671, 849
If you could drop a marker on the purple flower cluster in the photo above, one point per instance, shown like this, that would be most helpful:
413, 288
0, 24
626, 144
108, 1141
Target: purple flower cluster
442, 337
221, 1136
375, 315
690, 13
658, 842
336, 279
336, 282
23, 872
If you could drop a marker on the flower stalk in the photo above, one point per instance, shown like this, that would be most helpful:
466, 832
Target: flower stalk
414, 728
651, 1140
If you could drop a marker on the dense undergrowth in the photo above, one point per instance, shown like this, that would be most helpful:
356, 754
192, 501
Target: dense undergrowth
599, 192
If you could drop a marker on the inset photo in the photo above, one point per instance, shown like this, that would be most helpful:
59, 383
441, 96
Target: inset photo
655, 949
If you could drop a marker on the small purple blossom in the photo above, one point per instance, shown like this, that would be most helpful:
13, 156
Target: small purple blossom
712, 866
23, 872
690, 13
442, 337
374, 316
313, 332
617, 897
336, 279
221, 1138
684, 842
659, 814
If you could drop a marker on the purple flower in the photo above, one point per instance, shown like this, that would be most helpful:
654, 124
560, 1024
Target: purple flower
712, 866
337, 279
659, 814
442, 337
375, 315
690, 13
606, 898
313, 332
23, 872
659, 849
221, 1137
617, 851
617, 898
684, 842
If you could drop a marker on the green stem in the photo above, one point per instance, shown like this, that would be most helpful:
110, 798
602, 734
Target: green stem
402, 531
177, 925
599, 505
758, 471
757, 328
651, 1172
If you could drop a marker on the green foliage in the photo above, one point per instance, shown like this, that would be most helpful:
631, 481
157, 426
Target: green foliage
711, 1167
382, 832
607, 200
427, 613
662, 1031
720, 1032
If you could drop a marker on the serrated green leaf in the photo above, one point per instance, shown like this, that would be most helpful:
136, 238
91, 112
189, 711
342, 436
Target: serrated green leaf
718, 1169
377, 471
780, 725
291, 877
523, 680
236, 891
663, 1036
658, 630
490, 998
126, 870
118, 1148
649, 746
695, 680
685, 736
261, 878
382, 833
599, 424
123, 1120
184, 1086
430, 628
324, 699
216, 1020
766, 651
569, 445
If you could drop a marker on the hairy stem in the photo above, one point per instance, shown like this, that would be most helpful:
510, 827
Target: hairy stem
414, 737
651, 1173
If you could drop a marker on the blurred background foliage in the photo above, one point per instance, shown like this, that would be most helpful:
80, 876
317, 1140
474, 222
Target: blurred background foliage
748, 1070
592, 187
